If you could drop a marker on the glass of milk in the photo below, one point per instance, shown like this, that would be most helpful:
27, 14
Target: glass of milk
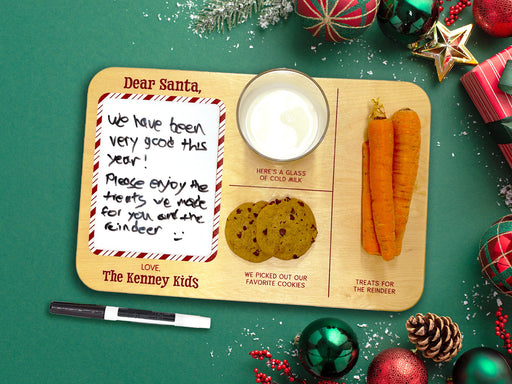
282, 114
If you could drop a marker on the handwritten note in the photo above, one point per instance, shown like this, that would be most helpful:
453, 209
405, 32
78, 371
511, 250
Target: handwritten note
157, 177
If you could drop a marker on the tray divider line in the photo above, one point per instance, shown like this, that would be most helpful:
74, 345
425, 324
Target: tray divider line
332, 190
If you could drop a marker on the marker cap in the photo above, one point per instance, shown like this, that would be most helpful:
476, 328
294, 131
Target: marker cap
90, 311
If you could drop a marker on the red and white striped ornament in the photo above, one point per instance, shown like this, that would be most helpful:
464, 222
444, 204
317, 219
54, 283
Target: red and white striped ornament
337, 20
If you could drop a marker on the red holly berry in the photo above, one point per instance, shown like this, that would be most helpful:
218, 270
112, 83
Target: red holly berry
501, 332
279, 366
454, 10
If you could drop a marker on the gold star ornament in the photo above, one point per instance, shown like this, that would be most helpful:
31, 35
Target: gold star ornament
446, 48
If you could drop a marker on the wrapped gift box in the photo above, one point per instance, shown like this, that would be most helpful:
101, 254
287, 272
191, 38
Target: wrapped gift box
482, 85
489, 88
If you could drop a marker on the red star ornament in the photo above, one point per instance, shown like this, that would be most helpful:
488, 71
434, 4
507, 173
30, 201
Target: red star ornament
446, 48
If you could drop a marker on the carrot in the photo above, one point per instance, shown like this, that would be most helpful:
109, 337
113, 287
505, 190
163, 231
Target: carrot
407, 139
380, 139
368, 236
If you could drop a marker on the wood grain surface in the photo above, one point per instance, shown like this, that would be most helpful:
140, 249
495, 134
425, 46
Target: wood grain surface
335, 272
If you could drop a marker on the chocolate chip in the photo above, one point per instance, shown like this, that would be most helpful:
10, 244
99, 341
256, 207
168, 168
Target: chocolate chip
282, 231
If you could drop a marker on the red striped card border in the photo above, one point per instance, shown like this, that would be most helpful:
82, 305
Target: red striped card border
218, 183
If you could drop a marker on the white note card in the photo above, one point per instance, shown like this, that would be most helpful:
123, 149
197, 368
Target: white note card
157, 177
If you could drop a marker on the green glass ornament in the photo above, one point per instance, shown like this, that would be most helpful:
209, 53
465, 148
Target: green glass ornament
407, 21
482, 366
328, 348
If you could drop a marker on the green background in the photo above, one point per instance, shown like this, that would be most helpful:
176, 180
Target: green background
49, 51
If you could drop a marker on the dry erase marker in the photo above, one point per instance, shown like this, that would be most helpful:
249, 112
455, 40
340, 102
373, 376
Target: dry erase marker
106, 312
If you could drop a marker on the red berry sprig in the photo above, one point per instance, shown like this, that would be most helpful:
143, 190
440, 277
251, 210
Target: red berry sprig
501, 332
283, 367
454, 10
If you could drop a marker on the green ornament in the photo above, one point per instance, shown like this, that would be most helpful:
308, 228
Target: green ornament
407, 21
482, 366
328, 348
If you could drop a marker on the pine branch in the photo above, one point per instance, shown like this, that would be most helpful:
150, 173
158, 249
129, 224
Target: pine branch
218, 13
273, 11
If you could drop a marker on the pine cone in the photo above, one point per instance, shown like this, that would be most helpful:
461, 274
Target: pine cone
438, 338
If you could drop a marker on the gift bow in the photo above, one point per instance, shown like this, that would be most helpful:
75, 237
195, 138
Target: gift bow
505, 83
504, 127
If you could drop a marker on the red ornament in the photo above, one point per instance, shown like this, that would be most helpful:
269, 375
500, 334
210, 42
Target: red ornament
495, 254
397, 366
337, 20
494, 17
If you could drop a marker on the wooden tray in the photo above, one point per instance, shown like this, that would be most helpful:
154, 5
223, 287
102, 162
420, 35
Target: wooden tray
335, 272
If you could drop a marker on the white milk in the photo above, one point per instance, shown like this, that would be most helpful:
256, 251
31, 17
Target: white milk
281, 123
282, 115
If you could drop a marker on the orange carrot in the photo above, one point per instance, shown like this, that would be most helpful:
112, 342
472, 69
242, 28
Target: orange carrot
368, 236
407, 139
380, 139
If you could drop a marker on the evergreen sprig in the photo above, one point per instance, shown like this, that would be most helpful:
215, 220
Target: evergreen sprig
219, 14
273, 11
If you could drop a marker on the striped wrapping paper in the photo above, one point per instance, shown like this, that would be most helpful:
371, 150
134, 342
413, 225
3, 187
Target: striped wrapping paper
506, 149
481, 83
494, 105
